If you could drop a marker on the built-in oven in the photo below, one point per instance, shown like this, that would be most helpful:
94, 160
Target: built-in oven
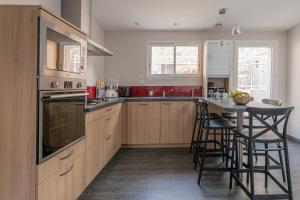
62, 51
61, 115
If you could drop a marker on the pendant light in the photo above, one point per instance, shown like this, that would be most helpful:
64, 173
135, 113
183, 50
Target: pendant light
221, 41
236, 30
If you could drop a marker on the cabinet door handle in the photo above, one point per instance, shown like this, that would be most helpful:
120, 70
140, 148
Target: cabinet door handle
108, 109
107, 119
166, 103
67, 156
66, 172
108, 137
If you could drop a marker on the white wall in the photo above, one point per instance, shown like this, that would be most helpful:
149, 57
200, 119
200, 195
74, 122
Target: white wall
96, 63
130, 60
52, 5
292, 87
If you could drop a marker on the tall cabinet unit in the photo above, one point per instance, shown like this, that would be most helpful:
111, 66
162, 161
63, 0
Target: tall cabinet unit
217, 66
18, 67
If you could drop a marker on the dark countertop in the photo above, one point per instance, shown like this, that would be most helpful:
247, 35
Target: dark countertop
112, 101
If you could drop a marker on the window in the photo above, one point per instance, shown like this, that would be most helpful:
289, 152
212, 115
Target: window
254, 71
173, 60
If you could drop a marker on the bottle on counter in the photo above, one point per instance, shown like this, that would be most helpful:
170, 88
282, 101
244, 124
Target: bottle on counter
100, 89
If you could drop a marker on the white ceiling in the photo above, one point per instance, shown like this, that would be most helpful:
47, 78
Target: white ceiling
273, 15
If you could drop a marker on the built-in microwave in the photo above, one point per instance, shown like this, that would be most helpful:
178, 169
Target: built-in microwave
62, 53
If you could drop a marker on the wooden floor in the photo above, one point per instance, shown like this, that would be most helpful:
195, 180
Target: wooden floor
168, 174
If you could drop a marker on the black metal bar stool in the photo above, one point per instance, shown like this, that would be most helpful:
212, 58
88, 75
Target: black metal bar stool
207, 124
197, 122
248, 136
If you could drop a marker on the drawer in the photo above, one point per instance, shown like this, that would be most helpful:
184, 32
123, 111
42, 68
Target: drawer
93, 116
59, 162
66, 157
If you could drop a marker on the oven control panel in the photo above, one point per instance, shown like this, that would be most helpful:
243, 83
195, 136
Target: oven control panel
68, 84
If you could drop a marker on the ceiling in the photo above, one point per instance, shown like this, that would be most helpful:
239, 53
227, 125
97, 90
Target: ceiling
271, 15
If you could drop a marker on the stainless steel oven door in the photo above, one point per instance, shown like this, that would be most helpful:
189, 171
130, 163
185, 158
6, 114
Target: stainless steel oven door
61, 121
61, 53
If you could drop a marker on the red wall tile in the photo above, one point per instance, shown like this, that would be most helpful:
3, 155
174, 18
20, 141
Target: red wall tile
140, 91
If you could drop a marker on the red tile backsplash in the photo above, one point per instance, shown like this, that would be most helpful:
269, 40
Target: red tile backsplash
140, 91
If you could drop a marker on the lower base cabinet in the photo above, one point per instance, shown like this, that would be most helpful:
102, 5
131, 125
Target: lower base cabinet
103, 138
63, 176
165, 122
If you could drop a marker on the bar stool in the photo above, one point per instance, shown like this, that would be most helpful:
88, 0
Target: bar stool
197, 122
208, 124
248, 136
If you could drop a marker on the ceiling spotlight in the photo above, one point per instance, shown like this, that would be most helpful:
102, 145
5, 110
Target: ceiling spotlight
136, 23
175, 24
222, 11
236, 30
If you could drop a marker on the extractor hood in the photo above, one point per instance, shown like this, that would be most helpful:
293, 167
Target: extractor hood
94, 49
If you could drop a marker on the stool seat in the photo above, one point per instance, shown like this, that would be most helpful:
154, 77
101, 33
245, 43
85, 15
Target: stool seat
220, 124
211, 115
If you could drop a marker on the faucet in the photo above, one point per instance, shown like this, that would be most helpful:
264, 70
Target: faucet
167, 92
193, 92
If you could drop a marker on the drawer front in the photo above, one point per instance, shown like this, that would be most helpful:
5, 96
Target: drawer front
93, 116
59, 162
66, 157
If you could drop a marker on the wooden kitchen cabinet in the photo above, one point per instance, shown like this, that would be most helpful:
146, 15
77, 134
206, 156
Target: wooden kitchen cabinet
176, 122
143, 122
103, 138
171, 123
112, 127
95, 144
63, 176
189, 111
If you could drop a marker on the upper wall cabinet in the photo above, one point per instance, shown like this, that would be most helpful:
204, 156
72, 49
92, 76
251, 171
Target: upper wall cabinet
77, 12
218, 59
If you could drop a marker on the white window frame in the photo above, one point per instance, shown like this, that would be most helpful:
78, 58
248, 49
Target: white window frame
174, 75
273, 44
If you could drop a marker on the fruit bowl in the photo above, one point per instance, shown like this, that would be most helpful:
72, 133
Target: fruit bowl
241, 98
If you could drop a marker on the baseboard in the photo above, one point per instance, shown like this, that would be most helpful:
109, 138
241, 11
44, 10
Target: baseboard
155, 146
293, 138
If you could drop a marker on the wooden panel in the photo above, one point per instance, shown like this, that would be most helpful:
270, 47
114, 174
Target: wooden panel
171, 122
91, 151
124, 123
62, 23
47, 169
18, 68
93, 116
48, 190
78, 173
189, 111
65, 184
108, 129
143, 120
101, 161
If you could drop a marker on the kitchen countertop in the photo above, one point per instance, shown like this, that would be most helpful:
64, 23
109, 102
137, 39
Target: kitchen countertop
112, 101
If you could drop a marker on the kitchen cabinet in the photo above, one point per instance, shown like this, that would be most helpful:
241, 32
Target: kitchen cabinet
176, 122
103, 138
113, 131
143, 122
171, 123
217, 59
95, 138
62, 177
